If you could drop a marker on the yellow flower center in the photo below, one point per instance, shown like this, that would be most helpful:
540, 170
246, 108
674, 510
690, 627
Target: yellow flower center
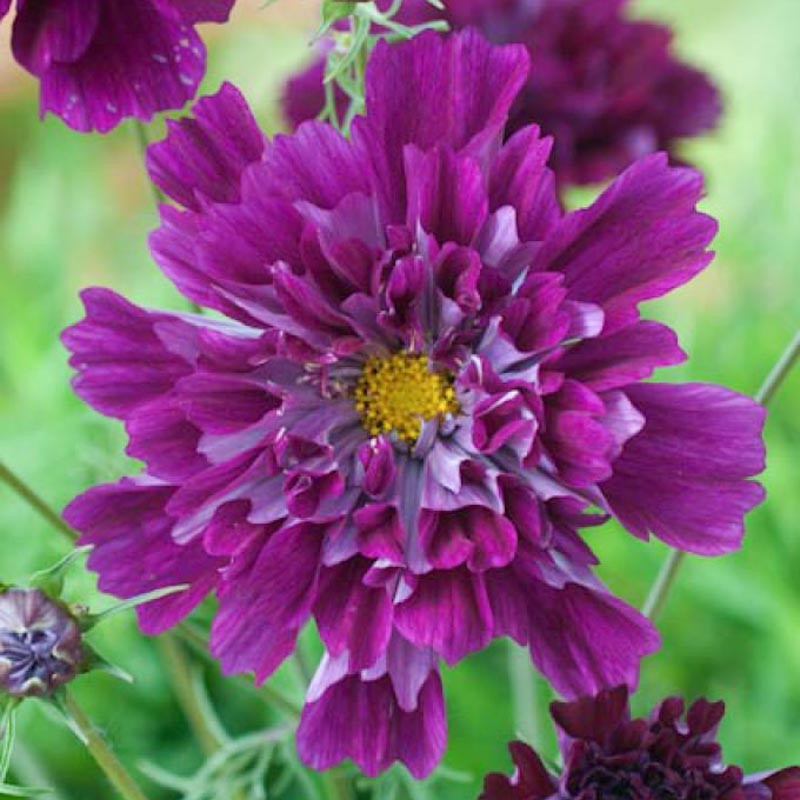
398, 392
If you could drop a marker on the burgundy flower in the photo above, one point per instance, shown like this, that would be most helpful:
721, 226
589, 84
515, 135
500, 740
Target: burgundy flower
609, 756
40, 644
99, 61
429, 381
608, 88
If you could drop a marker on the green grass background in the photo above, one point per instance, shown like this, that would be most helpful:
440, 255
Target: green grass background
75, 211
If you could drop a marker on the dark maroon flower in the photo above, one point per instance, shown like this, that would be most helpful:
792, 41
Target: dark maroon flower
609, 756
608, 88
99, 61
40, 644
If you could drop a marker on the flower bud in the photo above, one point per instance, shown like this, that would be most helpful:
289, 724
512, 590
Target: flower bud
40, 643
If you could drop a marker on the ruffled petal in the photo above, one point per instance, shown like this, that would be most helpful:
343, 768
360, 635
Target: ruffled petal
630, 354
133, 552
53, 32
203, 155
462, 88
684, 477
640, 239
121, 361
362, 720
138, 62
263, 607
584, 640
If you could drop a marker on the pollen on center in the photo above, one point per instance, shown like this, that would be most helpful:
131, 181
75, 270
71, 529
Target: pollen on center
397, 393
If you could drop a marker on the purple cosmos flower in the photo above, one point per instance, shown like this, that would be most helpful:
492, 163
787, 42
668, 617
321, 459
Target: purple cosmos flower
608, 88
40, 644
428, 382
607, 755
99, 61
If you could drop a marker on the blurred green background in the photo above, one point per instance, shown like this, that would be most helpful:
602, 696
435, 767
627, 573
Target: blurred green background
75, 211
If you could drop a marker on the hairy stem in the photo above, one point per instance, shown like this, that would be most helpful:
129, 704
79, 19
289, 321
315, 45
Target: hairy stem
32, 498
666, 577
101, 752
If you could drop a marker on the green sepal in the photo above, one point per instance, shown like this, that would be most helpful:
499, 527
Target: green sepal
94, 662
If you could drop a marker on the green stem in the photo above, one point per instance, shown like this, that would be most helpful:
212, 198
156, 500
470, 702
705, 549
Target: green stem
337, 785
779, 372
273, 697
181, 678
523, 693
666, 577
102, 753
36, 502
144, 143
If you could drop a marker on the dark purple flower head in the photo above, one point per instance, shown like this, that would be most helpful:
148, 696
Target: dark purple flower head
40, 644
608, 89
609, 756
100, 61
429, 380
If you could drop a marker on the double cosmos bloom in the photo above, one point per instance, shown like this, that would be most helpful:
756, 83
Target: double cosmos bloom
428, 383
609, 89
671, 755
99, 61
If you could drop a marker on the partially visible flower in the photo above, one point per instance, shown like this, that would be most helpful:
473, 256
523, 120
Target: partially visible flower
430, 379
40, 643
99, 61
608, 89
608, 756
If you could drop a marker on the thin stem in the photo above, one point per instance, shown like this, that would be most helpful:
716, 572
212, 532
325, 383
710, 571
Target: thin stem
144, 143
666, 577
181, 678
523, 693
779, 372
271, 696
337, 785
102, 753
32, 498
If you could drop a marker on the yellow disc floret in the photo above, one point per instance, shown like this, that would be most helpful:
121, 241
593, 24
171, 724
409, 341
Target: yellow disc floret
396, 393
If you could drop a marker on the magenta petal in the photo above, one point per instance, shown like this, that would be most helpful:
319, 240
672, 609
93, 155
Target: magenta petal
640, 239
684, 477
199, 10
446, 194
448, 612
628, 355
204, 155
470, 84
262, 609
584, 640
138, 62
520, 179
55, 31
121, 361
351, 616
362, 720
134, 552
784, 784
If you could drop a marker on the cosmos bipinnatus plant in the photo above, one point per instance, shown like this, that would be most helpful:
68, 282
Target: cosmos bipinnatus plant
412, 381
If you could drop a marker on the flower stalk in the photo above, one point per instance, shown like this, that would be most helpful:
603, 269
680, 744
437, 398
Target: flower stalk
666, 577
14, 482
96, 744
